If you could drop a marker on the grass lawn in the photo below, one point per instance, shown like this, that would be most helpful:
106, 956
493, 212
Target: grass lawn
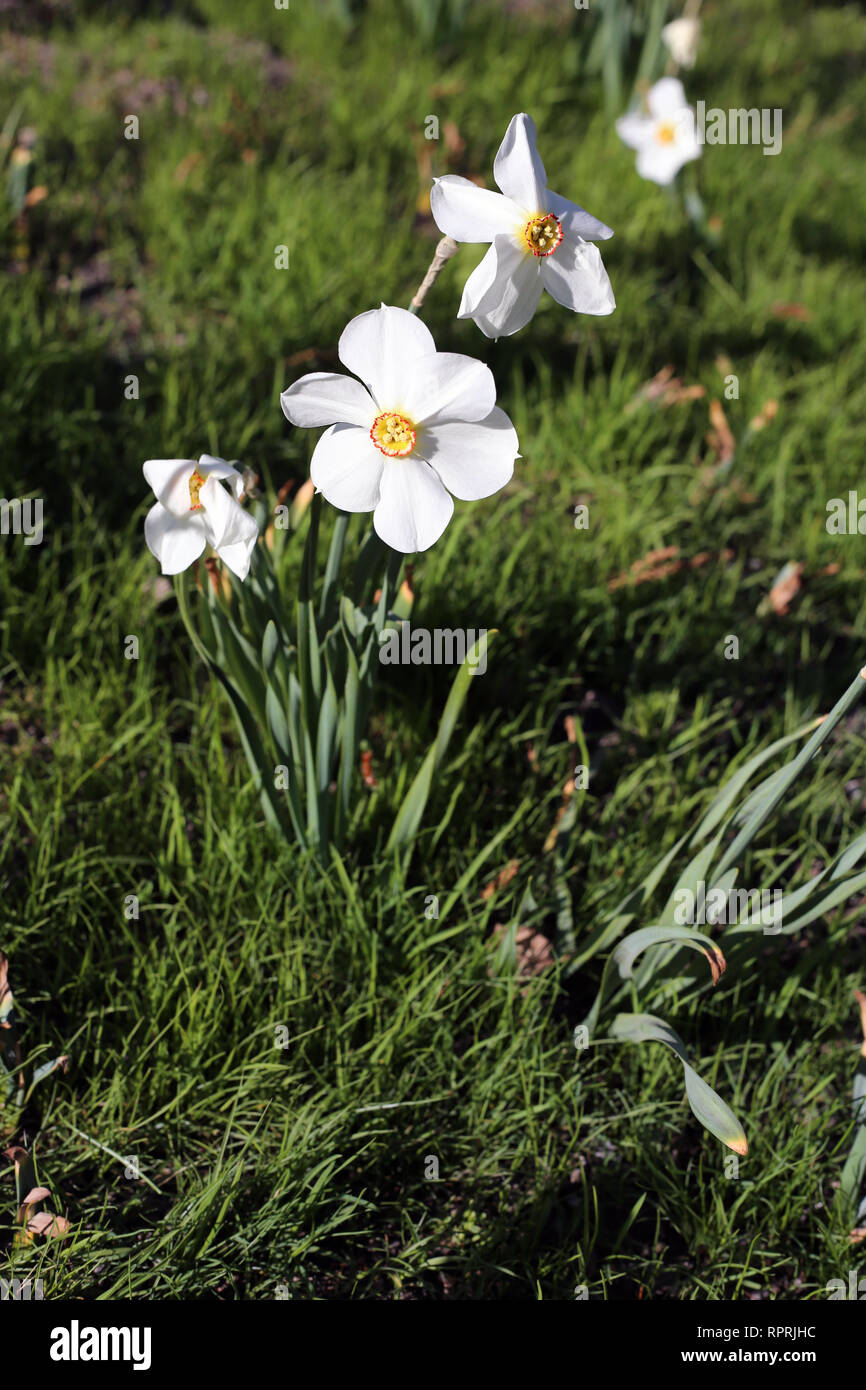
265, 1062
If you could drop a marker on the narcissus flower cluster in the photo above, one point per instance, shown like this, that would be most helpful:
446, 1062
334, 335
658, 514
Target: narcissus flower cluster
413, 428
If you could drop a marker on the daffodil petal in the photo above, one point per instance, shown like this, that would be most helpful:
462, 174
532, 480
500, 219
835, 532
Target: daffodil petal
666, 97
328, 398
634, 130
380, 348
346, 468
661, 163
518, 169
452, 387
576, 278
414, 508
231, 531
576, 221
479, 282
211, 467
175, 541
169, 479
512, 295
226, 522
473, 460
468, 213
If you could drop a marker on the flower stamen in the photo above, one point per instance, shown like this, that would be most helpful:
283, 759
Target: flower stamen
666, 133
393, 434
196, 482
542, 234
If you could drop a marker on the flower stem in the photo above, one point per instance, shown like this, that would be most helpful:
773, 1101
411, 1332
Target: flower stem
181, 591
444, 251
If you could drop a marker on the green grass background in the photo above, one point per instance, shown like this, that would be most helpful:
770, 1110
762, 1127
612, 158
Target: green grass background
278, 1169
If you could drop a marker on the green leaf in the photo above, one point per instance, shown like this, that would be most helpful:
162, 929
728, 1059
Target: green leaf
270, 646
693, 874
834, 897
792, 771
630, 948
727, 795
327, 734
713, 1113
625, 954
411, 812
854, 1171
254, 752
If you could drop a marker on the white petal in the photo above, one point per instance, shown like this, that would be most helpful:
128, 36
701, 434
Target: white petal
380, 348
450, 386
328, 398
518, 169
211, 467
237, 557
683, 122
346, 467
685, 135
478, 284
576, 221
473, 460
169, 479
235, 532
662, 163
174, 541
666, 98
230, 530
226, 522
575, 276
414, 507
466, 212
635, 130
513, 294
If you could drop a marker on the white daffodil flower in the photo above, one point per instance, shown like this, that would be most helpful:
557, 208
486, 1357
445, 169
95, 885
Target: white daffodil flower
681, 39
538, 240
193, 510
423, 426
665, 139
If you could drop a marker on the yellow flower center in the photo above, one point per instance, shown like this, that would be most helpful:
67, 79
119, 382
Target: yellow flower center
542, 234
196, 482
393, 434
666, 133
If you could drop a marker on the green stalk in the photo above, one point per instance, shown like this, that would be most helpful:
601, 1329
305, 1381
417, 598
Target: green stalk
308, 650
332, 569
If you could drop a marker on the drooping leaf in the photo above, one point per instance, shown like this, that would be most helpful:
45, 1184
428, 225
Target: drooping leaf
708, 1107
622, 959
